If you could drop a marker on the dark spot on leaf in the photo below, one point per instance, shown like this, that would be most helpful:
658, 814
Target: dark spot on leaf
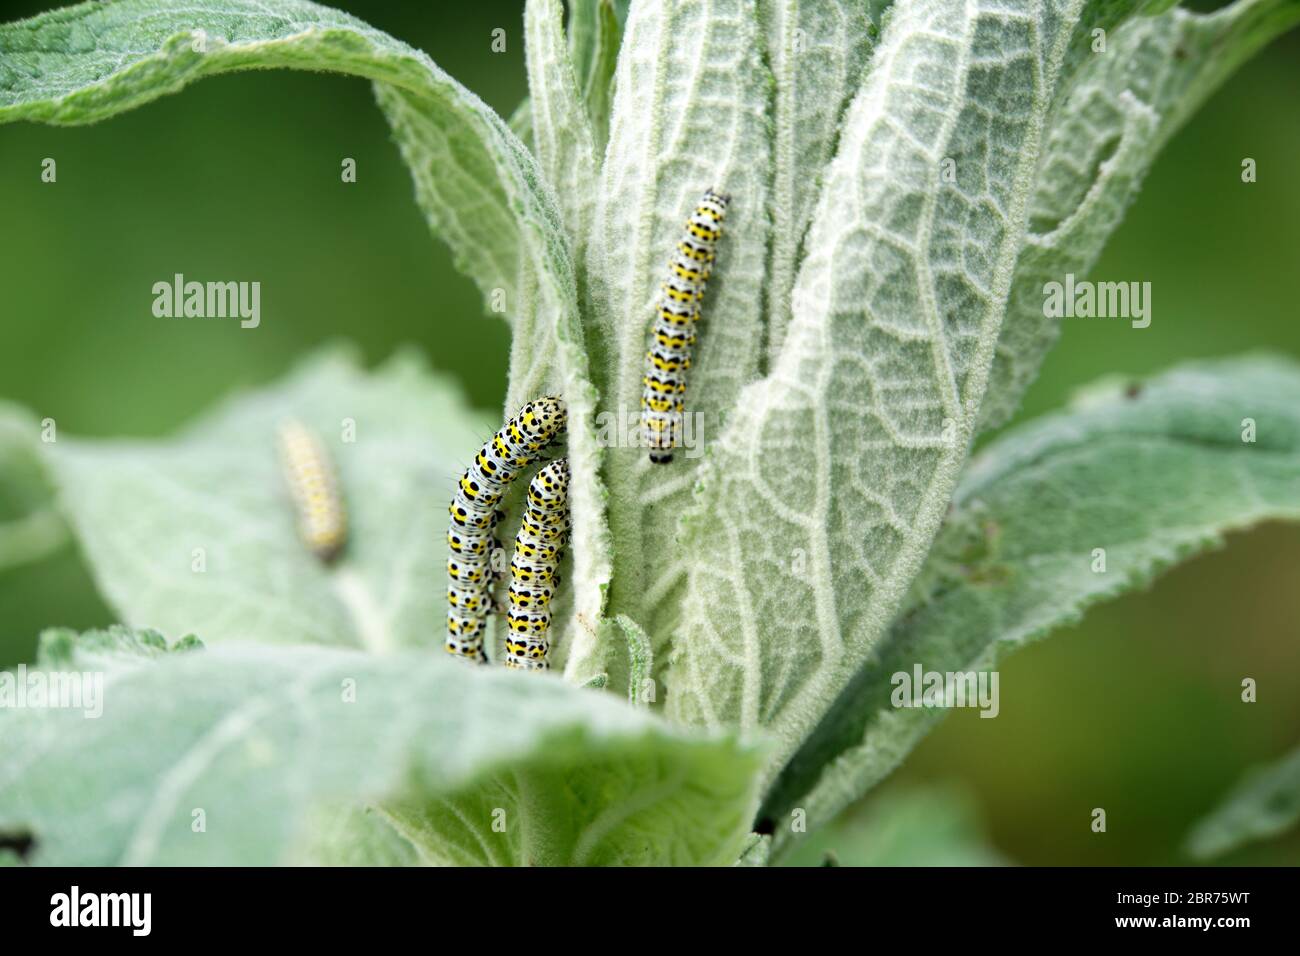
765, 826
830, 859
1134, 390
21, 843
987, 575
1280, 804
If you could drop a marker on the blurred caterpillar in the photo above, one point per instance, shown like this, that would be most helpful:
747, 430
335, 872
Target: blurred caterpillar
309, 473
676, 313
471, 570
538, 548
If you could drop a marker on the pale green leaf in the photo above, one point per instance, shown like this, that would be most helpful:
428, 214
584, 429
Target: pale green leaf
354, 836
560, 126
820, 502
581, 34
1119, 111
595, 34
921, 826
30, 527
142, 509
114, 648
598, 89
521, 123
640, 654
1265, 804
818, 52
265, 739
1150, 472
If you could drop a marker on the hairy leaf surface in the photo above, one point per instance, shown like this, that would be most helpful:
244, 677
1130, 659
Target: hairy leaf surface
820, 502
264, 740
1152, 472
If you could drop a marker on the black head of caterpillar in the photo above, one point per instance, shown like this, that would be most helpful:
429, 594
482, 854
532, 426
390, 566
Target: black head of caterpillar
677, 311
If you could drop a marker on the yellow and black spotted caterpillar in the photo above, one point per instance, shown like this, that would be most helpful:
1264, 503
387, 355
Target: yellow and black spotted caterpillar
676, 312
472, 565
538, 549
309, 473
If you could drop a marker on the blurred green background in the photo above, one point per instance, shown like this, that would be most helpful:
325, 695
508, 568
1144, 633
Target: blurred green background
1136, 710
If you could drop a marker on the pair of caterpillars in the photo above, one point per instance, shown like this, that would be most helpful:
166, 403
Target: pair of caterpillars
473, 566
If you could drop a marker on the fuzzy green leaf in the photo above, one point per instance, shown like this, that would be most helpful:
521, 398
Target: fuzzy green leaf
1117, 114
560, 127
818, 51
595, 34
821, 500
1265, 804
142, 508
1151, 472
30, 526
691, 99
917, 827
264, 740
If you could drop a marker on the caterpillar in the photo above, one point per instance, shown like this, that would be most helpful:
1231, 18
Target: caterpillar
309, 473
677, 310
471, 537
538, 548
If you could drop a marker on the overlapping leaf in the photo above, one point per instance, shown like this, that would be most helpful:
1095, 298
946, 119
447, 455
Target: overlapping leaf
820, 502
1120, 109
199, 530
1265, 804
690, 113
30, 527
1150, 472
237, 754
